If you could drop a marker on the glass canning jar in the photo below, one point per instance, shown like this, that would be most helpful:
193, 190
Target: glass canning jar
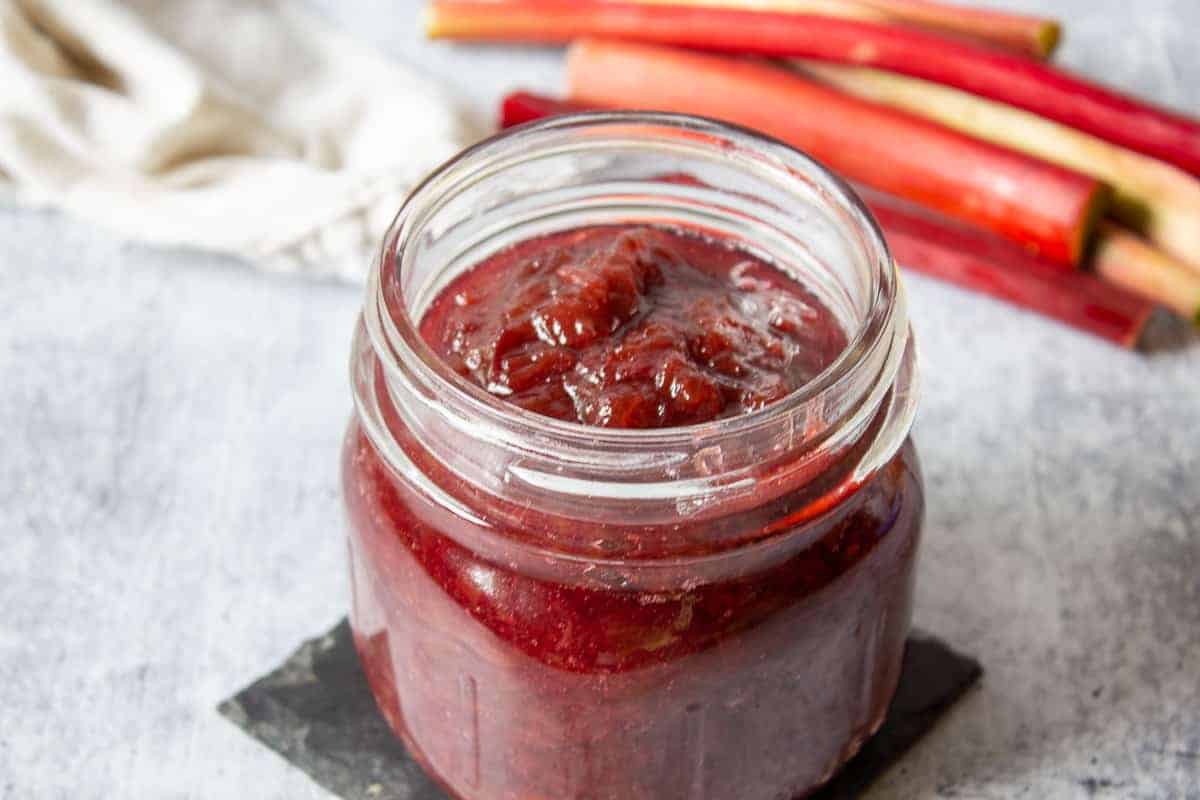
550, 610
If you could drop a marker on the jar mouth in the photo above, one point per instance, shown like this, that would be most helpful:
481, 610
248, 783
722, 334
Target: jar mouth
840, 401
868, 331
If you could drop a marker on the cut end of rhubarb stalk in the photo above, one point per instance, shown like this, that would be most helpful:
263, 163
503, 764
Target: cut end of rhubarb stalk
1049, 37
1166, 332
429, 21
1125, 260
1136, 339
1099, 203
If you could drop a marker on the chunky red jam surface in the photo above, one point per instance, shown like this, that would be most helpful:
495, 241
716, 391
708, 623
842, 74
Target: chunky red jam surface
632, 328
688, 671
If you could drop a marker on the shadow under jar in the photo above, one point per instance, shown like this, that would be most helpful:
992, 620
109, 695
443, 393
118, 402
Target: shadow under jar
547, 609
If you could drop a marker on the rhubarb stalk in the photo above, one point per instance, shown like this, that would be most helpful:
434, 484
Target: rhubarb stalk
1158, 200
978, 261
1036, 37
520, 107
969, 257
987, 71
1033, 36
1123, 259
1042, 206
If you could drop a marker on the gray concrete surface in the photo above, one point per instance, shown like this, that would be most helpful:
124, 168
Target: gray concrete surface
169, 523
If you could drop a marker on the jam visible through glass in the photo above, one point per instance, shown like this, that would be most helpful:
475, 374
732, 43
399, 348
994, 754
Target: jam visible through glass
638, 678
632, 327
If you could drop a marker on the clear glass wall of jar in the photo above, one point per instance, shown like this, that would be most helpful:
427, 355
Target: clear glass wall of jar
549, 610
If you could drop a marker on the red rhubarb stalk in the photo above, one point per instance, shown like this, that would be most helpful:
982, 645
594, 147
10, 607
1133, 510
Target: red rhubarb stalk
1124, 259
1041, 206
1160, 201
976, 260
991, 72
1032, 36
520, 107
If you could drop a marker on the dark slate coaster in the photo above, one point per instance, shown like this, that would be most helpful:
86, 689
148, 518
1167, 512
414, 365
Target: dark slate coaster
932, 679
317, 712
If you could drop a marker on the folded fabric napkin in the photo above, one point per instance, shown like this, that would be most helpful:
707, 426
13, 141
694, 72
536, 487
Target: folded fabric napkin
242, 126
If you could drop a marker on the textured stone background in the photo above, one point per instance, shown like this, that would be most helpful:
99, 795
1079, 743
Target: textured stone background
169, 526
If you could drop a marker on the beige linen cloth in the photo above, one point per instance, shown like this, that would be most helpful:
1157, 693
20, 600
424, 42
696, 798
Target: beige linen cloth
242, 126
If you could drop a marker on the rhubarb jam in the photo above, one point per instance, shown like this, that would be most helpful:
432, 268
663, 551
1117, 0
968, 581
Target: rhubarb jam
632, 328
632, 510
